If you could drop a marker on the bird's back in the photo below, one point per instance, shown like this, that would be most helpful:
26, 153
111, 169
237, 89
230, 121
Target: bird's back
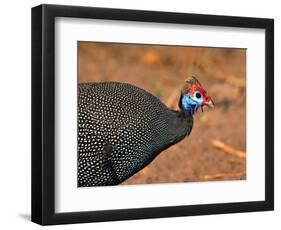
121, 128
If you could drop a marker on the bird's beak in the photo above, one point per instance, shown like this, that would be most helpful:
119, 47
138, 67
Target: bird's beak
210, 103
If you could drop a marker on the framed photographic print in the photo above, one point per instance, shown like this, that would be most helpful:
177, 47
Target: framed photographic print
142, 114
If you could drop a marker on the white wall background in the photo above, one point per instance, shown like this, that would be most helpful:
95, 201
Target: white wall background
15, 114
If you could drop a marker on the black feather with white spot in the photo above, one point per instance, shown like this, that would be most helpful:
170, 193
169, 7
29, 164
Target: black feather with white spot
121, 129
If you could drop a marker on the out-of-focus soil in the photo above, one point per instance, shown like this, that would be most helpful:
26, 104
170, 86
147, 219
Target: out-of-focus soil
161, 70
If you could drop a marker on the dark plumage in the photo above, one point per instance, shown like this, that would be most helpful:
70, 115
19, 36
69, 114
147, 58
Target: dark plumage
121, 129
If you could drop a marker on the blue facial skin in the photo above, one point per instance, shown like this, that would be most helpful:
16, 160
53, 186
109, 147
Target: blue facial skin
191, 104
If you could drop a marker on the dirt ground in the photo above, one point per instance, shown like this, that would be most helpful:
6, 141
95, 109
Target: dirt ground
161, 70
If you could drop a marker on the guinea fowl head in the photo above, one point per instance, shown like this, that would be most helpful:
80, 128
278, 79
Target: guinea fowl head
194, 97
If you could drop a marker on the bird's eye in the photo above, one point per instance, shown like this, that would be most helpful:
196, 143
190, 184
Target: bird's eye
198, 95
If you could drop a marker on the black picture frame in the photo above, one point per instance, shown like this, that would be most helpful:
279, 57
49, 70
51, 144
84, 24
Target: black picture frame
43, 110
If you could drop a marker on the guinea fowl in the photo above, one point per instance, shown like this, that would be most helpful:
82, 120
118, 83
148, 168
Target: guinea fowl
122, 128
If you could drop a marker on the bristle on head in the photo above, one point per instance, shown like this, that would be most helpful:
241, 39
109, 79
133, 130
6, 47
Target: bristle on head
192, 81
192, 84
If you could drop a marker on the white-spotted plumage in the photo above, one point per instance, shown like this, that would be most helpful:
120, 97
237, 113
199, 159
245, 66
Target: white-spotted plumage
121, 129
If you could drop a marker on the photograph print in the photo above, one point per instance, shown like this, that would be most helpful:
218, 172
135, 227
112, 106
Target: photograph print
151, 114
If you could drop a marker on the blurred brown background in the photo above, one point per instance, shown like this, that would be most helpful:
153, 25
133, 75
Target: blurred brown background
215, 150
